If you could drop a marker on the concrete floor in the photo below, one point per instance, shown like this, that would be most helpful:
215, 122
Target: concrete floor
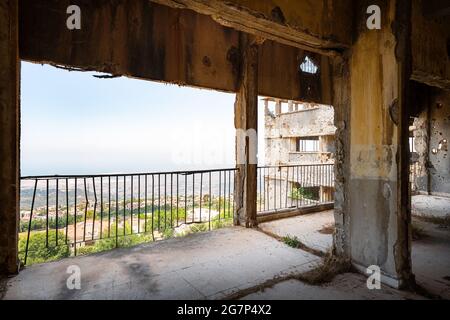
313, 230
209, 265
431, 258
430, 206
348, 286
221, 263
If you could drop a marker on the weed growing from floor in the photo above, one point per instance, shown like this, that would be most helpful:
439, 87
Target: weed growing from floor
293, 242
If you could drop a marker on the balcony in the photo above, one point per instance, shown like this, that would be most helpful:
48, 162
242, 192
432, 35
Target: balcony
173, 237
64, 216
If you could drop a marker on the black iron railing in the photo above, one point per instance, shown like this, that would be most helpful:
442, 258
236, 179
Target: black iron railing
76, 214
68, 215
294, 186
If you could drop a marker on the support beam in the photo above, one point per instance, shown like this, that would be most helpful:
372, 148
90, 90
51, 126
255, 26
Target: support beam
9, 136
288, 22
246, 123
162, 44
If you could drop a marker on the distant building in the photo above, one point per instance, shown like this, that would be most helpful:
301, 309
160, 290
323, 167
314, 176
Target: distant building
302, 135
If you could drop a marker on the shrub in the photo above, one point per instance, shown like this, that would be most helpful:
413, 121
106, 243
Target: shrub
37, 250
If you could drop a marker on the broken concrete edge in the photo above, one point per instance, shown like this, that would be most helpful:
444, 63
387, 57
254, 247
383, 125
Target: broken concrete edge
300, 246
437, 194
289, 213
440, 221
325, 272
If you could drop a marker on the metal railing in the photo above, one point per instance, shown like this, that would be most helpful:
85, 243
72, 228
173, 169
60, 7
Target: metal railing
66, 215
294, 186
77, 214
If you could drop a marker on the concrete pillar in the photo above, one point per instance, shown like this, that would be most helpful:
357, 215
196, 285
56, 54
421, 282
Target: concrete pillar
9, 136
290, 105
246, 123
342, 108
378, 186
266, 107
277, 107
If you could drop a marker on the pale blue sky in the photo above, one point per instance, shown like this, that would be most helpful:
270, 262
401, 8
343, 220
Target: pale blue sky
75, 123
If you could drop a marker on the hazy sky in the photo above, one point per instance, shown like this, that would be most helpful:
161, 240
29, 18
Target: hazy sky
74, 123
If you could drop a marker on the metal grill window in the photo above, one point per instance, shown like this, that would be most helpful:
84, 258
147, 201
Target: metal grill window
308, 66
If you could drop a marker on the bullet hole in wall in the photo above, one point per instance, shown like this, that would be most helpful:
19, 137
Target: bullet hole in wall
443, 145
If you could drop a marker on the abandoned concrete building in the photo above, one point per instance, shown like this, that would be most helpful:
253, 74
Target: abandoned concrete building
298, 137
388, 83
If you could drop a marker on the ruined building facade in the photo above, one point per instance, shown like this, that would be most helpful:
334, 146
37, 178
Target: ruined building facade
300, 136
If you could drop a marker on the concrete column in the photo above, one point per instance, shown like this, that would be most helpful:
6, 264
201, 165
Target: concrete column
246, 123
9, 136
290, 105
342, 108
379, 162
266, 107
277, 107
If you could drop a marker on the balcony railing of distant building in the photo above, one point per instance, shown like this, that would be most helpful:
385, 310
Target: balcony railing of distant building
287, 187
62, 216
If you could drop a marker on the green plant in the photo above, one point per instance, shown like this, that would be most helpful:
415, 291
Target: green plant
301, 193
38, 252
293, 242
196, 228
120, 241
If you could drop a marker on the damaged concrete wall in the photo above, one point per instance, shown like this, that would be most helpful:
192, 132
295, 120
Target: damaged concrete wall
9, 136
282, 131
439, 146
376, 218
421, 145
316, 121
432, 133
